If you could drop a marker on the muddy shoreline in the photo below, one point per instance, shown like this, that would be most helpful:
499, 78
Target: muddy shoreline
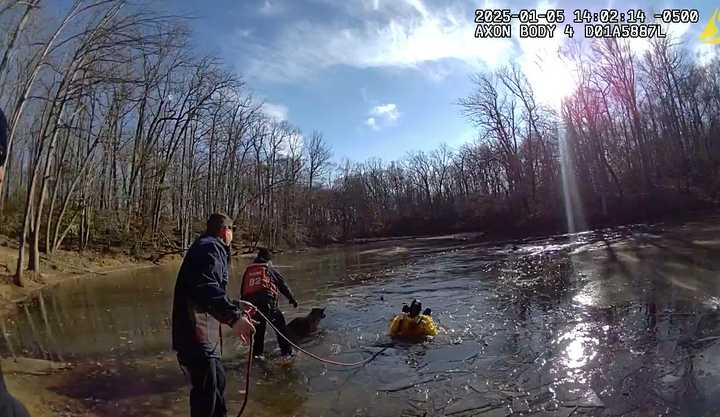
33, 386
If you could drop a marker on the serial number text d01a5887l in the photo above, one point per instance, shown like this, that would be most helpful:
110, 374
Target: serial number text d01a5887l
624, 31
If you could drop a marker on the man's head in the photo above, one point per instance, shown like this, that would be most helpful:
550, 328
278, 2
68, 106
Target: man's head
220, 225
264, 255
3, 145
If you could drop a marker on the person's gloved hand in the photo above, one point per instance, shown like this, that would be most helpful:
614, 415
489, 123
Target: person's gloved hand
246, 306
294, 303
244, 329
249, 309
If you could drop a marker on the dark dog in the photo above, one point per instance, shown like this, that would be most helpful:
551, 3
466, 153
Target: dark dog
9, 406
304, 327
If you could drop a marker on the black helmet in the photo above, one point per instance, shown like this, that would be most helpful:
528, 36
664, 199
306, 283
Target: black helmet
264, 255
415, 308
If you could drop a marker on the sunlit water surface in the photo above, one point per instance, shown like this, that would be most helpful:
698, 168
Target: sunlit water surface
622, 321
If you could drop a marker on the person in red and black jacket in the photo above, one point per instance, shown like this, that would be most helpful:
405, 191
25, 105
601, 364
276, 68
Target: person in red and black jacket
261, 284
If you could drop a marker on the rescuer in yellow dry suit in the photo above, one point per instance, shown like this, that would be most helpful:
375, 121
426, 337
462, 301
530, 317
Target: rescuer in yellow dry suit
411, 325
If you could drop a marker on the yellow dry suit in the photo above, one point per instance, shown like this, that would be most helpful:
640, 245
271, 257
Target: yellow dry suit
403, 326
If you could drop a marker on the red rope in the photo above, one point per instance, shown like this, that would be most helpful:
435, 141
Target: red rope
312, 355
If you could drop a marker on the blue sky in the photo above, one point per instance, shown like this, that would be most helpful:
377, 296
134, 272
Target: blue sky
379, 77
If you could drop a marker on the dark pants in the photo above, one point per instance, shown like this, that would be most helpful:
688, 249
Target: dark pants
207, 391
268, 308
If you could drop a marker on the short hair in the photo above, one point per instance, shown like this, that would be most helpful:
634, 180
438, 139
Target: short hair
216, 222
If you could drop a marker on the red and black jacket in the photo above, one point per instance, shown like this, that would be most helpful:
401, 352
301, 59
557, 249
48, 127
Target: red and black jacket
261, 282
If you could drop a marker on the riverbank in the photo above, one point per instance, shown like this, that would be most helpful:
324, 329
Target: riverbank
41, 401
64, 265
31, 382
33, 387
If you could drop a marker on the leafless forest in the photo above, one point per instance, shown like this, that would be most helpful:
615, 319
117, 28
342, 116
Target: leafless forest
121, 135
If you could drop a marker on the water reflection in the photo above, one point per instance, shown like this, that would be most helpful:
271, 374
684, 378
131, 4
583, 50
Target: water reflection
615, 320
579, 347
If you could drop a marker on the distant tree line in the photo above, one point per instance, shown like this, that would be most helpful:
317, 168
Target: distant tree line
120, 135
641, 133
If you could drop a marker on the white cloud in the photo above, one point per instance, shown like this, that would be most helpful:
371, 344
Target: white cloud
677, 30
292, 144
382, 115
438, 71
278, 112
639, 45
388, 111
405, 34
705, 53
418, 6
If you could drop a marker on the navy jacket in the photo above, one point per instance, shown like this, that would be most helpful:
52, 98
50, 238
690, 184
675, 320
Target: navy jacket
200, 303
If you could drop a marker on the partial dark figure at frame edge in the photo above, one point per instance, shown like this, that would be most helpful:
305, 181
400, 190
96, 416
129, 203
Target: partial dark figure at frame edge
9, 405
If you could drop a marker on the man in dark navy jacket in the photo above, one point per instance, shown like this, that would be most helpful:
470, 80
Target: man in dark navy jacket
200, 306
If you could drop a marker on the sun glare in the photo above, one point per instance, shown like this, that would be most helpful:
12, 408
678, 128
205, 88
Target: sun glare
551, 77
